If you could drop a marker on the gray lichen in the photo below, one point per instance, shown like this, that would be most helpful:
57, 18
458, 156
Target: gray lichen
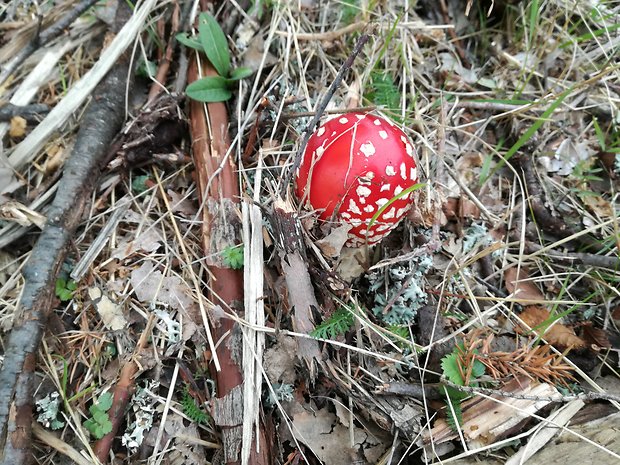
400, 285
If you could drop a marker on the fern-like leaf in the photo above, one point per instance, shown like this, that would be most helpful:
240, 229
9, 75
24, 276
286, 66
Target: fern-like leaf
191, 409
384, 92
339, 323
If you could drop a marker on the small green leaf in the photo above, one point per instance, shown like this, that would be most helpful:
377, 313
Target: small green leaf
233, 257
214, 43
209, 89
105, 401
138, 185
189, 41
240, 73
450, 367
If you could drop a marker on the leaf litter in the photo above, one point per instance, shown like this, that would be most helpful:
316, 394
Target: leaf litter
462, 272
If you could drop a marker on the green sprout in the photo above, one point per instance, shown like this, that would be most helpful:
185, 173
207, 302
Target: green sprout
211, 40
100, 425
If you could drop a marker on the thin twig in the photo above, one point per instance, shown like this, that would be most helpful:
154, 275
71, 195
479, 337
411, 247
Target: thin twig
556, 398
321, 109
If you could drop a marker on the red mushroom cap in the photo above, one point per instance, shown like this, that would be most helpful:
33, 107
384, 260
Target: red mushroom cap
353, 165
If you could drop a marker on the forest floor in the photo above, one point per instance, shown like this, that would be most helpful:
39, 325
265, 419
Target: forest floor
166, 299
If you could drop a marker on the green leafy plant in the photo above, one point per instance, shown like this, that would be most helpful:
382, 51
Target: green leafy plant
339, 323
460, 367
65, 288
100, 425
211, 40
233, 256
139, 184
191, 409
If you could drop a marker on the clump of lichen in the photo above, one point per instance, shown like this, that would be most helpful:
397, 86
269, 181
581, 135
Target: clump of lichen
397, 290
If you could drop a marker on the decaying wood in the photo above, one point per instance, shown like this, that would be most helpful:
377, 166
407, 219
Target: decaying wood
221, 223
101, 122
298, 282
488, 419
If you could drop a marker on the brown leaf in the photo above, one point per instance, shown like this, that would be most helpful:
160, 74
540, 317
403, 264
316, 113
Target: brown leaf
520, 288
559, 335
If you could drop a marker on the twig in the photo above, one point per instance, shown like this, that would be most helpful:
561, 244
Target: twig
58, 444
30, 112
159, 83
45, 37
327, 36
542, 215
577, 258
122, 393
320, 109
556, 398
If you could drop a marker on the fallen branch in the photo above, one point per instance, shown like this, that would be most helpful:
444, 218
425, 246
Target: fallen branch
122, 393
29, 112
221, 223
101, 122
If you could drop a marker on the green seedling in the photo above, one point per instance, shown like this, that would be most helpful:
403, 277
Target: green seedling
233, 256
100, 425
65, 288
211, 41
453, 372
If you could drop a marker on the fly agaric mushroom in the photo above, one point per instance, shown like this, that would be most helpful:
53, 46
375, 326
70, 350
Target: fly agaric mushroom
354, 165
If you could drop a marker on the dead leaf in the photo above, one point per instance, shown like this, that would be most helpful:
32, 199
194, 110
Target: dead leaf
519, 285
321, 432
111, 314
150, 285
19, 213
148, 241
558, 335
18, 127
332, 244
181, 204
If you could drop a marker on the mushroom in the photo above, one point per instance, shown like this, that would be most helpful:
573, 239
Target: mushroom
353, 166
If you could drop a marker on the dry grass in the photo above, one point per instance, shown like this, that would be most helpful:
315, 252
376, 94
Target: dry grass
480, 96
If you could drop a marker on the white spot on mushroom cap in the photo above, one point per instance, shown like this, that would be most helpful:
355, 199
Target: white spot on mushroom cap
363, 191
319, 151
321, 131
346, 215
368, 149
383, 227
358, 116
383, 134
403, 170
401, 211
388, 215
355, 221
398, 190
413, 174
389, 170
381, 202
334, 133
385, 187
409, 149
353, 208
369, 209
343, 120
377, 122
